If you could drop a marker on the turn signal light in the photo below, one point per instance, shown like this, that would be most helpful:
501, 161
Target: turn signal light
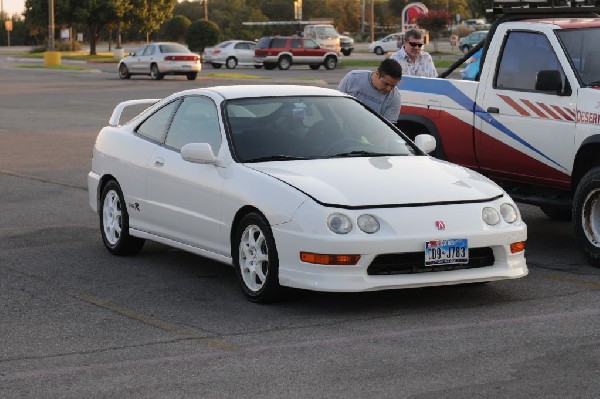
323, 259
517, 247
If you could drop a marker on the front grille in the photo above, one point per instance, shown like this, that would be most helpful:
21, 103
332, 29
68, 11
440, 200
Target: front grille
414, 262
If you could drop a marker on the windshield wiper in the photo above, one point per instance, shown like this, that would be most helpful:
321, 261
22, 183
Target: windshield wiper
275, 158
362, 154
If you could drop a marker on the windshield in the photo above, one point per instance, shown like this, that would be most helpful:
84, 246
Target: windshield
280, 128
581, 48
173, 48
326, 31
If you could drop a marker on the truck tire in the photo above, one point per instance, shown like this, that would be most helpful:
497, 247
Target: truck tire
330, 62
284, 63
586, 215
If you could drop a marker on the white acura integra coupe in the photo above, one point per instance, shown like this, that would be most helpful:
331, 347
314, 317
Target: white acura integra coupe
298, 186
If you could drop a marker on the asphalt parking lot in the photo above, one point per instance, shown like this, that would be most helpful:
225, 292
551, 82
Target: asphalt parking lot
77, 322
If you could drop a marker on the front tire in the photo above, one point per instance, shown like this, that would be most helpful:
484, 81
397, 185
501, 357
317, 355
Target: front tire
284, 63
192, 76
255, 259
231, 63
378, 51
586, 215
124, 71
330, 62
114, 222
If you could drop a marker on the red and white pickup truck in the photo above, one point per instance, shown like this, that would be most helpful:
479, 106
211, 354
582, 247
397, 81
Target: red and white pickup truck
531, 120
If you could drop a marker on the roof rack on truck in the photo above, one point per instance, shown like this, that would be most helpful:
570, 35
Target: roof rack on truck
514, 10
563, 7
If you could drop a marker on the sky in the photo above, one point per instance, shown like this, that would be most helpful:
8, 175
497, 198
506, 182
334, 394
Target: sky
13, 6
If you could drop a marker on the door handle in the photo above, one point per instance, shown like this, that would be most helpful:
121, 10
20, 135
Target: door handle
158, 162
493, 110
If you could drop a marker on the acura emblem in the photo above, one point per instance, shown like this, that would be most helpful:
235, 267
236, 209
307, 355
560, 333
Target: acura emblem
440, 225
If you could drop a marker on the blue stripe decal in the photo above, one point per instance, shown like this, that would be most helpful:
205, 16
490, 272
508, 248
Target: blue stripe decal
446, 88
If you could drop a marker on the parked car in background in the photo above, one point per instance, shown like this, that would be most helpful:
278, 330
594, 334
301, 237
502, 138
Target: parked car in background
347, 44
471, 66
468, 42
290, 185
160, 59
324, 35
285, 51
231, 53
388, 43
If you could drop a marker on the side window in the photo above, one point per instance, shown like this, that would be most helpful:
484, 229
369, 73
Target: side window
278, 43
155, 126
196, 121
242, 46
310, 44
139, 51
523, 56
296, 43
149, 50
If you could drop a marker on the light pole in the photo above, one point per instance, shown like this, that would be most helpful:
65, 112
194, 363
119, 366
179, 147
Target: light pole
51, 25
206, 10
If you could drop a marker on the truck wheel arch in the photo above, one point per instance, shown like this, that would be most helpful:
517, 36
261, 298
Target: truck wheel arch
411, 125
587, 157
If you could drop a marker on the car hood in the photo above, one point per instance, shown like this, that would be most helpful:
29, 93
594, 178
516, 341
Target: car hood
377, 181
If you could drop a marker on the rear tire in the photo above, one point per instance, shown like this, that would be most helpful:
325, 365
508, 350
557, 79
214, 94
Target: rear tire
191, 75
255, 259
155, 73
378, 51
586, 215
114, 222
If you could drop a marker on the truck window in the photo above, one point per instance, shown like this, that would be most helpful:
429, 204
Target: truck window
581, 47
524, 54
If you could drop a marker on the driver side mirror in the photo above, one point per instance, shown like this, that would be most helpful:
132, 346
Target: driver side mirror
198, 153
549, 81
426, 143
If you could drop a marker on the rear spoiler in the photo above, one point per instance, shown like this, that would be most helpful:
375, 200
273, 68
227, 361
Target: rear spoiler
115, 118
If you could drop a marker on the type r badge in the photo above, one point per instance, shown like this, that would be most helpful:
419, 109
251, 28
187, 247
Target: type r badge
440, 225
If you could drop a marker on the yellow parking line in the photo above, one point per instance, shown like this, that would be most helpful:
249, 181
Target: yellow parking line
129, 313
576, 281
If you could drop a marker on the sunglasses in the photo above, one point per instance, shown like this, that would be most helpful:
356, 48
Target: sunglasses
419, 45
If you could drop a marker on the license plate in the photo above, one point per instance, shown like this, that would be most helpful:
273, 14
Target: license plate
441, 252
186, 67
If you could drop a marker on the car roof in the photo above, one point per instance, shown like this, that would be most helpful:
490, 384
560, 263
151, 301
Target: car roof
569, 23
245, 91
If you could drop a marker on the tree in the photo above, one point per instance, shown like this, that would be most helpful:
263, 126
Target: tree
95, 15
149, 15
201, 34
175, 28
435, 21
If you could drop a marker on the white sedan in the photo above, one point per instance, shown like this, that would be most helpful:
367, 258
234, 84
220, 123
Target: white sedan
389, 43
231, 54
160, 59
298, 186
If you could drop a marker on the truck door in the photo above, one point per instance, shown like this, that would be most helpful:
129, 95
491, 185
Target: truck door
524, 132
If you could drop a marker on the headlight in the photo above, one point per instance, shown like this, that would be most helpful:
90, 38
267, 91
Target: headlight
509, 213
339, 223
368, 223
490, 216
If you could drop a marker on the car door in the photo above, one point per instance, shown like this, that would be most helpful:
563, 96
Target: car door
313, 53
244, 53
149, 56
185, 197
136, 59
529, 133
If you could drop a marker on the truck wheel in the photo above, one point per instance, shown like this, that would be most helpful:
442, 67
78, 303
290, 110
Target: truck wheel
284, 63
330, 62
586, 215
